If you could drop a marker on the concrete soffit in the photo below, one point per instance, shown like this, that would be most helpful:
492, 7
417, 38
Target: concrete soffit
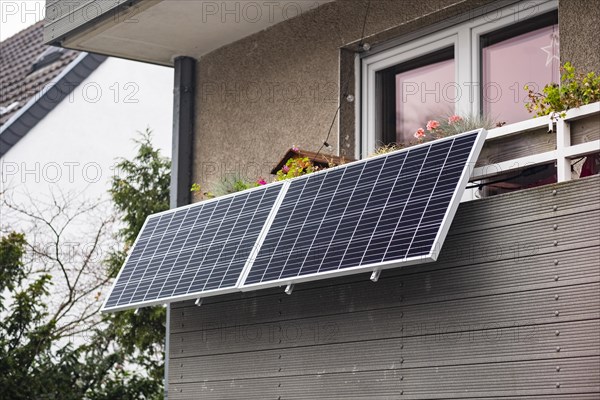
158, 31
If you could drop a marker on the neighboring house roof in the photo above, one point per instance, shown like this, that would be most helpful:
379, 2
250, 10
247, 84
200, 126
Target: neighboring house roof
34, 78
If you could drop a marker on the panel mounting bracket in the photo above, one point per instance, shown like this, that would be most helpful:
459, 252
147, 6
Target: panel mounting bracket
289, 289
375, 275
198, 301
136, 312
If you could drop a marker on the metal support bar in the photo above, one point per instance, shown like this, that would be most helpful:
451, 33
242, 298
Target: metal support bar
184, 115
198, 301
289, 289
136, 312
375, 275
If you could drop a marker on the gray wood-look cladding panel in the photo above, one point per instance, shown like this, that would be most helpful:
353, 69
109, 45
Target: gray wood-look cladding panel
430, 346
516, 146
525, 378
473, 314
510, 309
585, 129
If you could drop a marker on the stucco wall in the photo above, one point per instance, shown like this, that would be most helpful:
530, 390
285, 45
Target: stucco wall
579, 39
280, 87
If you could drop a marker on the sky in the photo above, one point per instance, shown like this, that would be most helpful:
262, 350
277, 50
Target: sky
16, 15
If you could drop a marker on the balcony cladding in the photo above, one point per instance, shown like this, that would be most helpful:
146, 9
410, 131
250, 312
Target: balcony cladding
510, 310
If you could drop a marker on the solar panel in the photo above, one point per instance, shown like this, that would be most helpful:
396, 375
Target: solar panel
194, 250
383, 212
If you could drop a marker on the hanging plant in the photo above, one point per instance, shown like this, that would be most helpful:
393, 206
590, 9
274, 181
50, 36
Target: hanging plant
294, 167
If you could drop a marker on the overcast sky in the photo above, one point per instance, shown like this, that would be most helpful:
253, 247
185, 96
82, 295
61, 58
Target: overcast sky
16, 15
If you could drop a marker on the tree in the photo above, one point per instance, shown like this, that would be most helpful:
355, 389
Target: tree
51, 289
34, 363
66, 237
23, 334
141, 188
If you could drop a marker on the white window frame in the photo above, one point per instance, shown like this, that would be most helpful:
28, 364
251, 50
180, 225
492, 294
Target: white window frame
465, 37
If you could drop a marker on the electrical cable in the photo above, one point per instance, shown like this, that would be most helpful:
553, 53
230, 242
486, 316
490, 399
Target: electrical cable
345, 87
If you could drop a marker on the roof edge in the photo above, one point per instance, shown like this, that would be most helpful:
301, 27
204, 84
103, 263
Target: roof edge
47, 99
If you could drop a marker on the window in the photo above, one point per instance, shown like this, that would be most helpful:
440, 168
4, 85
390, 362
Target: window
478, 66
522, 54
415, 91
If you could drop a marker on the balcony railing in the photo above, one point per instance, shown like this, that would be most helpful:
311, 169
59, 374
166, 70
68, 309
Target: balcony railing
539, 141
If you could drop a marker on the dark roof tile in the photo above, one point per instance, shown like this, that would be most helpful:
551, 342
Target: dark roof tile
18, 81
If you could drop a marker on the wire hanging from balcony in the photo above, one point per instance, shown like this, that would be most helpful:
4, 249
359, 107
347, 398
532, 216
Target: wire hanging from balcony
361, 47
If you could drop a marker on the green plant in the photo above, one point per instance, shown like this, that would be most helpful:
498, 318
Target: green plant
452, 125
575, 89
44, 303
232, 184
227, 185
294, 167
141, 188
196, 189
37, 359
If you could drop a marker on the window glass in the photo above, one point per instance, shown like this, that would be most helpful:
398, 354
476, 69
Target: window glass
531, 58
422, 94
496, 59
412, 92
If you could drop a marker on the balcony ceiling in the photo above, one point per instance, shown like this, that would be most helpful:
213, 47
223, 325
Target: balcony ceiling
157, 31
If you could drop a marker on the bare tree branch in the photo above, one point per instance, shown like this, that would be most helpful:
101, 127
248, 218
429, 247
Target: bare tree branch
69, 235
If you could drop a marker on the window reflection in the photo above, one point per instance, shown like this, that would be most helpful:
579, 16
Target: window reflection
414, 91
422, 94
508, 65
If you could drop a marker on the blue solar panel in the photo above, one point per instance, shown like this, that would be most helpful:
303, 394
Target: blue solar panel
390, 210
377, 213
193, 250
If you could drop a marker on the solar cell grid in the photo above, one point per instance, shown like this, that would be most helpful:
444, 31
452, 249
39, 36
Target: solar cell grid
193, 249
387, 209
382, 212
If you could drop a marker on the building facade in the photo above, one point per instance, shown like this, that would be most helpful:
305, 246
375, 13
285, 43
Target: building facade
511, 308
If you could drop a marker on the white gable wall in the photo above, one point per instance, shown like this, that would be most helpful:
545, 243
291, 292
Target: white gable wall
75, 146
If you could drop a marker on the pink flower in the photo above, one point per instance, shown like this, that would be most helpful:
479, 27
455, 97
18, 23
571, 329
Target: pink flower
433, 124
454, 119
295, 149
261, 182
420, 133
285, 169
